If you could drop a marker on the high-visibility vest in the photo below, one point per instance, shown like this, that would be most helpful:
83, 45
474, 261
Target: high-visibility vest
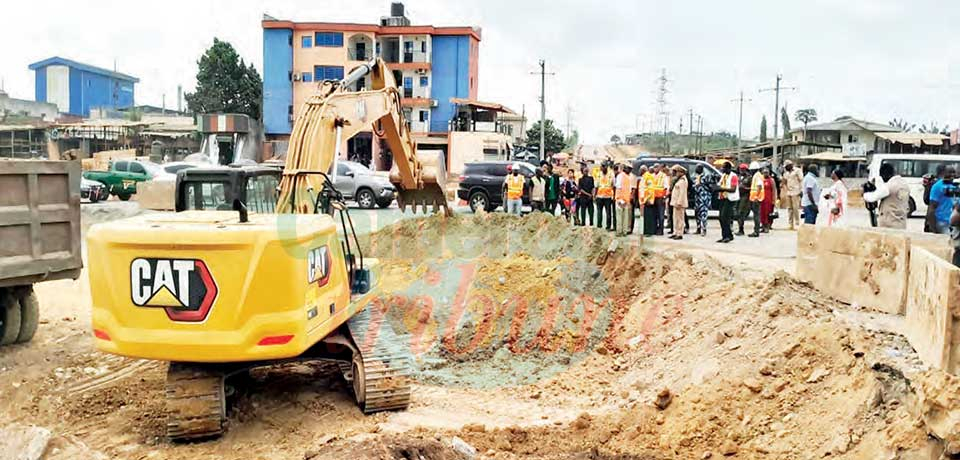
605, 185
756, 187
659, 185
623, 193
515, 186
647, 189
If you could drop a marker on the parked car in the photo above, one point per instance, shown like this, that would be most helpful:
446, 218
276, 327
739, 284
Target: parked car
358, 183
92, 190
712, 174
122, 177
481, 184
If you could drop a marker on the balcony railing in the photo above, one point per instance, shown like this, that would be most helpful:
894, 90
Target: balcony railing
359, 55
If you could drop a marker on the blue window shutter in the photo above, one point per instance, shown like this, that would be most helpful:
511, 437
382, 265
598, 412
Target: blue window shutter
318, 72
408, 82
306, 41
307, 77
338, 39
424, 81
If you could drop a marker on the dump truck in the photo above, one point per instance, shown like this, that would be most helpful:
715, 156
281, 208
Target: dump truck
39, 238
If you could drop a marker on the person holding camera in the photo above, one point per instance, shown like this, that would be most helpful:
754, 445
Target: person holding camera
892, 195
943, 197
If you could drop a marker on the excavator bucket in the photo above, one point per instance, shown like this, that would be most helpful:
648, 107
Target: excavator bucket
433, 192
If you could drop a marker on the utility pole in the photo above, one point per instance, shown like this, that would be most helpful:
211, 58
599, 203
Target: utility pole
700, 135
740, 129
543, 106
776, 116
523, 122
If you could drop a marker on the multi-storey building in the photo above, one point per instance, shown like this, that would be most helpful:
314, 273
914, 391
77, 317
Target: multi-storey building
431, 65
76, 87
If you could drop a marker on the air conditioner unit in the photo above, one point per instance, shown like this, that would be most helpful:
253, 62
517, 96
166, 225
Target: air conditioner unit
434, 103
296, 77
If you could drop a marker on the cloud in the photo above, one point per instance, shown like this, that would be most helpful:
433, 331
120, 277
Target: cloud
866, 58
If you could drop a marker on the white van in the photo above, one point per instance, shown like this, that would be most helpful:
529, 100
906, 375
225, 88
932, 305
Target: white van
913, 167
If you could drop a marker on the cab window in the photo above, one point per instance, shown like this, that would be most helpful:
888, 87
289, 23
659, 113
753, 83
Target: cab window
262, 194
207, 195
120, 166
137, 168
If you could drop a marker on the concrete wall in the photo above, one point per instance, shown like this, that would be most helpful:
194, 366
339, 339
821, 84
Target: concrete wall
277, 87
42, 110
58, 86
466, 147
933, 310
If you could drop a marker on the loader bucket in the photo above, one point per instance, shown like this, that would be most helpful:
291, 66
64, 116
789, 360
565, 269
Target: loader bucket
433, 175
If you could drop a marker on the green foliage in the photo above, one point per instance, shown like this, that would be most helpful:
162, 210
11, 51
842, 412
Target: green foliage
934, 128
552, 138
763, 129
615, 139
134, 114
902, 125
805, 116
687, 143
571, 142
785, 121
225, 83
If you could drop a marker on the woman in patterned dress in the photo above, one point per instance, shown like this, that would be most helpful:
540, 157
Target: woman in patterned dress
702, 192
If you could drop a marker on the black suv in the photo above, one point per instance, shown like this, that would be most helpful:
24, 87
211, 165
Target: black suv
481, 184
712, 174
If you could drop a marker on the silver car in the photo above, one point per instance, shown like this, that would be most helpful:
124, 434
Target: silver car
357, 182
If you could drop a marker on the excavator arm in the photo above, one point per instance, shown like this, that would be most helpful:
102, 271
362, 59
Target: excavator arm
333, 115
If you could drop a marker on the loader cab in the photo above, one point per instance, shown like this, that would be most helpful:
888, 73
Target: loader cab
216, 188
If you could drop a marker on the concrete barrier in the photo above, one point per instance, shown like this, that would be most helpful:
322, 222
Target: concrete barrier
932, 322
864, 266
158, 195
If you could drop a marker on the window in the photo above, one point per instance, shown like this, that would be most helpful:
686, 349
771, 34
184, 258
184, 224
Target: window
306, 41
424, 115
424, 81
329, 39
207, 195
423, 46
851, 138
307, 77
407, 86
327, 72
137, 168
407, 47
262, 193
120, 166
490, 154
342, 169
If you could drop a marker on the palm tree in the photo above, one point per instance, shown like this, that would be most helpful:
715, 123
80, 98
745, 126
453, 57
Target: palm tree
902, 124
805, 116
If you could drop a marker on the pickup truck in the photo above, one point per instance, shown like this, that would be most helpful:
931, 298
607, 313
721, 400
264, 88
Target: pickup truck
122, 177
39, 238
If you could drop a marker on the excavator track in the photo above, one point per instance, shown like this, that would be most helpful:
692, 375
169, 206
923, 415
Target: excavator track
196, 402
381, 373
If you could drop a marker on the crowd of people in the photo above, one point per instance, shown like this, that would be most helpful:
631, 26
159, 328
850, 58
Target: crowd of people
611, 196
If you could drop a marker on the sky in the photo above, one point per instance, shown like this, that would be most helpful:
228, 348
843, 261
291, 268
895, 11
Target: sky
871, 59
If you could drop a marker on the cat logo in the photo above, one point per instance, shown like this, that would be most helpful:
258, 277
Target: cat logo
184, 288
318, 266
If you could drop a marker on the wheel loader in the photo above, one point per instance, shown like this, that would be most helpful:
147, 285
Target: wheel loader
218, 292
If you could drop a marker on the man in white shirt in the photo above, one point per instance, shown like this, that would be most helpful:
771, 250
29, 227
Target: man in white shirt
893, 195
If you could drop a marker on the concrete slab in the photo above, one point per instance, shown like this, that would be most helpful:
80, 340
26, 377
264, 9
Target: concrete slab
933, 310
855, 266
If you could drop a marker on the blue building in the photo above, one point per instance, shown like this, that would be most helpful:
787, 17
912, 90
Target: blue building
76, 87
431, 65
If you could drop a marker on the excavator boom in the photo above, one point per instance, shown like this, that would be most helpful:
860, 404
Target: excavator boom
333, 115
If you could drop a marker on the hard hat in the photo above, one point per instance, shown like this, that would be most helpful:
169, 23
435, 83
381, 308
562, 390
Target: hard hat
787, 163
516, 166
754, 165
743, 166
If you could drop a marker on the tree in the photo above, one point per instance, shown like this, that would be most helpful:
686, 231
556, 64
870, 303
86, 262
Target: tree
902, 124
805, 116
552, 138
763, 129
571, 142
615, 139
225, 83
785, 121
934, 128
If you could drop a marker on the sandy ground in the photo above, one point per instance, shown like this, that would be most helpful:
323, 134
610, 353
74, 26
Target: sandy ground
537, 345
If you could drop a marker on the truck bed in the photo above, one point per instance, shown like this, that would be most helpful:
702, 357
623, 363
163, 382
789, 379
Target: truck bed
39, 221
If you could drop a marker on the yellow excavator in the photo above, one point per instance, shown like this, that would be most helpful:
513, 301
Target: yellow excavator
261, 282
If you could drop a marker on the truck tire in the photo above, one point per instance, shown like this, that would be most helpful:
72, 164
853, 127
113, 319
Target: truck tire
29, 314
9, 319
365, 198
123, 196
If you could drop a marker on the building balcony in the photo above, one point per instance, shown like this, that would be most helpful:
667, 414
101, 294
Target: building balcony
408, 65
417, 102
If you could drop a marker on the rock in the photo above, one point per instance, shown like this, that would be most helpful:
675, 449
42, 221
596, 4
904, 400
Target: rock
602, 350
664, 398
720, 337
23, 442
582, 421
753, 384
502, 280
729, 448
817, 375
706, 455
463, 448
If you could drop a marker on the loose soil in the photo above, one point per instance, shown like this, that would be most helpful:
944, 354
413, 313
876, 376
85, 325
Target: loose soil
530, 341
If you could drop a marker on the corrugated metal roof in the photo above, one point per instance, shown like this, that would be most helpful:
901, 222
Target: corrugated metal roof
849, 124
483, 105
19, 127
57, 60
916, 139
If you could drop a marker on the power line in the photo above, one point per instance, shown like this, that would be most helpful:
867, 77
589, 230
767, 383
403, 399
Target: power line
543, 105
776, 115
